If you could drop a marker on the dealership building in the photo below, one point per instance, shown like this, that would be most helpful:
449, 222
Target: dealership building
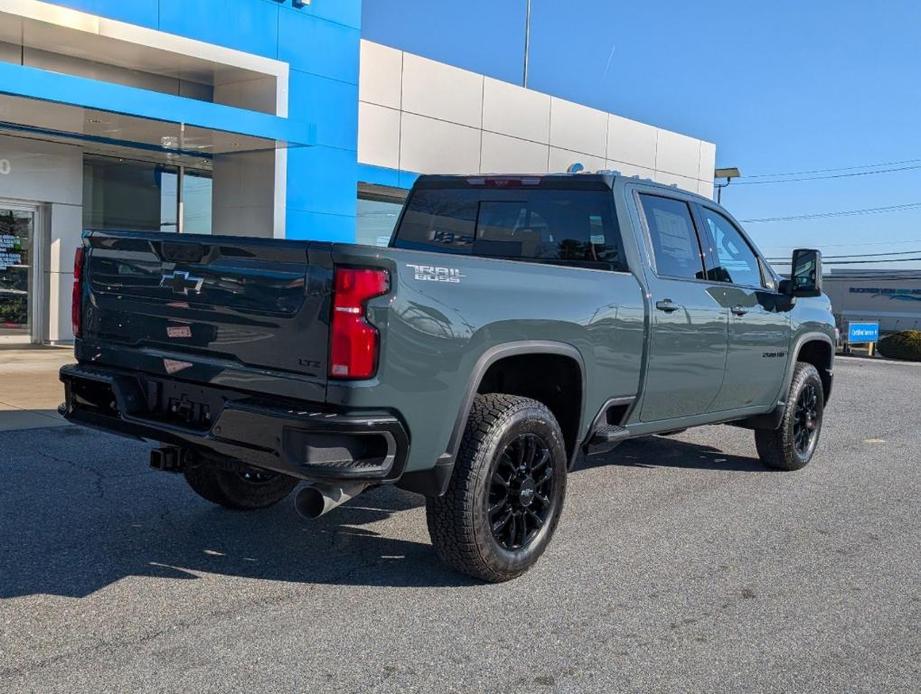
269, 118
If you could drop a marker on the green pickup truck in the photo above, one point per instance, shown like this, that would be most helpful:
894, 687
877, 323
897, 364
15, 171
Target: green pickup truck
513, 324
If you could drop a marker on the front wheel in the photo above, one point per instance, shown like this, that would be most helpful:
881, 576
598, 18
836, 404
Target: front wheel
792, 445
506, 493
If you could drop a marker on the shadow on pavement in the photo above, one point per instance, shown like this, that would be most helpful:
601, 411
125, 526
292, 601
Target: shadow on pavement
12, 418
664, 451
80, 510
76, 516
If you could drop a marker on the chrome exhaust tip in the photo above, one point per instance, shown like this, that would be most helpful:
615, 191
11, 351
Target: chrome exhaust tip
317, 499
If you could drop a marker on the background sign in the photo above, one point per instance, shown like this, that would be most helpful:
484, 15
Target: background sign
863, 332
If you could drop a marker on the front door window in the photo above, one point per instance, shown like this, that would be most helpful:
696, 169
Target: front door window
16, 239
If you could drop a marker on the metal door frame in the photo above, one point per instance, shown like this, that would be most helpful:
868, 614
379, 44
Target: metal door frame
39, 290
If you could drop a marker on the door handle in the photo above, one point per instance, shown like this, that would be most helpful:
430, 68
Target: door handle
667, 305
739, 310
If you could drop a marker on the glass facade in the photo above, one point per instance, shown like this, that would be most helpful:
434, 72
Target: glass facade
144, 196
196, 202
376, 221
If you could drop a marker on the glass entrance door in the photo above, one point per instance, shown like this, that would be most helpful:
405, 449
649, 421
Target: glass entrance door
17, 238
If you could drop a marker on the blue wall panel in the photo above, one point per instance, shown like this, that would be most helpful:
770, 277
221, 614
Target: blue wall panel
322, 179
315, 45
143, 12
247, 25
331, 106
348, 13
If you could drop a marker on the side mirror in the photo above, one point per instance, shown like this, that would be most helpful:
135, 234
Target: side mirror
806, 274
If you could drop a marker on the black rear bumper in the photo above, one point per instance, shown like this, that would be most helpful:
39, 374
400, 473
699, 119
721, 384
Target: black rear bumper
305, 440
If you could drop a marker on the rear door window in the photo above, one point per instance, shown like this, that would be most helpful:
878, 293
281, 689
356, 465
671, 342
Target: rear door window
577, 227
674, 238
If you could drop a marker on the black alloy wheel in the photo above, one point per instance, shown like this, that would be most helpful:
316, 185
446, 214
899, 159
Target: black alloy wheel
521, 492
793, 444
506, 492
806, 420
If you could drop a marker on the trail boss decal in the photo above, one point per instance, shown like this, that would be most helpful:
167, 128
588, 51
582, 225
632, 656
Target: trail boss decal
430, 273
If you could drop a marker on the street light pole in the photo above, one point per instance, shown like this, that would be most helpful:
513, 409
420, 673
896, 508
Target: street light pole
728, 173
527, 41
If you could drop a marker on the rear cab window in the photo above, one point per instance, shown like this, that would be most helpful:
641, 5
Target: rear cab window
565, 222
675, 245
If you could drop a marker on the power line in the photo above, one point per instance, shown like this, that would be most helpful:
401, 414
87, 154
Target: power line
843, 213
861, 255
861, 243
842, 168
828, 177
860, 262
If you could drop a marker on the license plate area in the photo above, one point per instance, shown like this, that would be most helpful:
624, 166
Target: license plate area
179, 404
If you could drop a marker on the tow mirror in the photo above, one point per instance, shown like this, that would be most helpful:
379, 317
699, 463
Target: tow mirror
806, 275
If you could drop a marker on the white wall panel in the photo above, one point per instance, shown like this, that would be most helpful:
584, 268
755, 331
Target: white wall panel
631, 141
683, 182
378, 136
707, 161
433, 146
41, 171
628, 169
511, 155
381, 76
577, 128
444, 119
66, 229
442, 91
678, 154
705, 188
512, 110
60, 290
561, 159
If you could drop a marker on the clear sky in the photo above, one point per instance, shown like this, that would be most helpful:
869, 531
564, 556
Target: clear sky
781, 86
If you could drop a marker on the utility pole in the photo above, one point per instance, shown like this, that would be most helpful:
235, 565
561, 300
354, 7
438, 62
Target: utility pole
527, 41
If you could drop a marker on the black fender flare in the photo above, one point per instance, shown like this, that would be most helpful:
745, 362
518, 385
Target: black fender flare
794, 355
434, 481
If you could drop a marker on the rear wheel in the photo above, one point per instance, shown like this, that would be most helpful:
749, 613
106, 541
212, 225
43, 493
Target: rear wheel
506, 493
238, 487
792, 445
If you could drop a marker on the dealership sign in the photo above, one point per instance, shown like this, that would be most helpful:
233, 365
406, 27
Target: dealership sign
860, 333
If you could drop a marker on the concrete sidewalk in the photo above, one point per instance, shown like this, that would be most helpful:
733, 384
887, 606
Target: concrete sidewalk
30, 391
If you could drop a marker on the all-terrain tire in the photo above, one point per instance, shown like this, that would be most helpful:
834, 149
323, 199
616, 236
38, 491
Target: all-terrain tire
779, 448
237, 487
459, 522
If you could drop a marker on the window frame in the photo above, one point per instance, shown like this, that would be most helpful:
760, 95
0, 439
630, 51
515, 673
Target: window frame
647, 228
714, 257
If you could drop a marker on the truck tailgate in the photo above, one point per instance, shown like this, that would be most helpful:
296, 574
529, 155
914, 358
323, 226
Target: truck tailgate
250, 304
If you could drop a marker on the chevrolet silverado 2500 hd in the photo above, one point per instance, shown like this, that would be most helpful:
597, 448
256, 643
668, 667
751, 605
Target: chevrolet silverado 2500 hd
513, 324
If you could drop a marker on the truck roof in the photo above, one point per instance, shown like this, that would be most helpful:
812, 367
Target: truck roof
582, 180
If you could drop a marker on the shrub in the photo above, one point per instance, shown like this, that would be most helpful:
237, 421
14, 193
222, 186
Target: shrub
903, 345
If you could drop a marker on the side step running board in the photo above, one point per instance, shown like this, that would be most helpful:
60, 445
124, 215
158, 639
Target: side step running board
608, 433
605, 438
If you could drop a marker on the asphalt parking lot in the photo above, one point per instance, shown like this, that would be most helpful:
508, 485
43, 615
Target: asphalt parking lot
680, 564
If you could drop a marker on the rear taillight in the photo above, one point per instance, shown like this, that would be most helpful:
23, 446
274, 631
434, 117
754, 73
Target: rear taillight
76, 306
354, 342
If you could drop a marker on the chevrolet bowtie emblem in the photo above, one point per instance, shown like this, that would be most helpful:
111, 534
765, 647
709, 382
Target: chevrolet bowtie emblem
182, 283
